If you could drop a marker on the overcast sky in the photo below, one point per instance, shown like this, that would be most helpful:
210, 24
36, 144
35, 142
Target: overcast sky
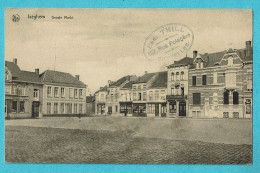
106, 44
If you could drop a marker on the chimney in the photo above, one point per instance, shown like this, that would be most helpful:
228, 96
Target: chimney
37, 71
100, 88
109, 82
145, 72
15, 61
77, 76
248, 48
195, 53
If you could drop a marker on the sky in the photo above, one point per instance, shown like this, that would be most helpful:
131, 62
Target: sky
107, 44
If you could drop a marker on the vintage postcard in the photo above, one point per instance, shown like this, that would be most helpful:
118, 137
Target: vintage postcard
128, 86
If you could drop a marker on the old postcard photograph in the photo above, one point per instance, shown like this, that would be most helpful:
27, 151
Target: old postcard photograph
128, 86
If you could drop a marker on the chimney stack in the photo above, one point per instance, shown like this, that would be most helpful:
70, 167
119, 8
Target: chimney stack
77, 76
109, 82
248, 48
145, 72
195, 53
37, 71
15, 61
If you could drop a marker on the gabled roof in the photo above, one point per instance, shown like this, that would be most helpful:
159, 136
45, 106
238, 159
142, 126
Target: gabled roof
102, 89
183, 61
213, 58
160, 80
14, 68
120, 81
21, 75
128, 85
145, 78
56, 77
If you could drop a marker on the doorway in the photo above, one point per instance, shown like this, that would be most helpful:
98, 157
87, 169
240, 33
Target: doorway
35, 109
182, 109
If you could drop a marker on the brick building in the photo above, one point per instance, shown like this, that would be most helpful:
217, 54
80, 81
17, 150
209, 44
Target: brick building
220, 84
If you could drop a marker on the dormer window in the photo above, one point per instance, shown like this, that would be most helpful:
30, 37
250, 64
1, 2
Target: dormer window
230, 61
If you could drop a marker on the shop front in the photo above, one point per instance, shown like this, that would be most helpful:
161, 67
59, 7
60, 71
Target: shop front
126, 108
139, 109
101, 108
176, 105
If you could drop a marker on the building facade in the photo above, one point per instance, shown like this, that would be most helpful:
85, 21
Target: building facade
177, 87
139, 90
220, 84
23, 92
63, 94
156, 100
100, 101
126, 100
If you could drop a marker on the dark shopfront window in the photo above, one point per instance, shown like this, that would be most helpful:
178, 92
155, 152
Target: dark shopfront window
22, 106
14, 108
173, 107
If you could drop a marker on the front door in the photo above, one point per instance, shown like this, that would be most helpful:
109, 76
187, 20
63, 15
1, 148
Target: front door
35, 109
163, 110
182, 109
156, 110
109, 110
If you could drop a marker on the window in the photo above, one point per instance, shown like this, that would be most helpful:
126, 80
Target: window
156, 95
71, 93
62, 108
177, 76
193, 80
226, 97
55, 108
150, 95
196, 98
139, 96
182, 75
201, 65
172, 76
35, 93
144, 96
22, 106
144, 86
225, 114
151, 108
48, 108
235, 114
172, 91
235, 98
177, 90
134, 96
80, 108
56, 90
197, 65
14, 107
75, 93
69, 108
230, 61
116, 108
134, 87
102, 97
62, 92
173, 107
49, 91
139, 87
204, 79
249, 82
80, 93
182, 91
21, 91
75, 108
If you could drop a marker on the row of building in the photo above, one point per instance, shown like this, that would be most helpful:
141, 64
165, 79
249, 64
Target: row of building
205, 85
31, 94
